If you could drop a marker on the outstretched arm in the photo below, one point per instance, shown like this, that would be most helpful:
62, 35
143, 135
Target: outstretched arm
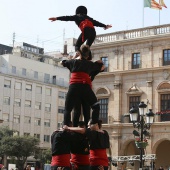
64, 18
52, 19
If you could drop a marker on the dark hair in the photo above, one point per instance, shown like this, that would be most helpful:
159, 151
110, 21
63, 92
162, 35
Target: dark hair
99, 122
70, 124
85, 51
81, 10
81, 124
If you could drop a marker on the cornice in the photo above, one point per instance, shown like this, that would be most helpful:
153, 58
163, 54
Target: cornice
140, 70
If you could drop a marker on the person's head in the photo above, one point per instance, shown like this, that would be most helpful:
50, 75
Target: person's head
93, 125
81, 10
81, 124
84, 51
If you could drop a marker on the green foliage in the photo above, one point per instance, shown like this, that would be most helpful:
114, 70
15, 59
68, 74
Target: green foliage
5, 132
43, 155
19, 147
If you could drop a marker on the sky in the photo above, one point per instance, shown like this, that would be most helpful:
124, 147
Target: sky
28, 19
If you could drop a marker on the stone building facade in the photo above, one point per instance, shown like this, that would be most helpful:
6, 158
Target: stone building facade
33, 89
137, 69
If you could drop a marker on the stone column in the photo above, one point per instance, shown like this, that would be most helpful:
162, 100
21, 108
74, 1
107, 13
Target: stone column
117, 99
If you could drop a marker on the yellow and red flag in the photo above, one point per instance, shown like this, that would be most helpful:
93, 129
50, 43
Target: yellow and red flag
152, 4
161, 3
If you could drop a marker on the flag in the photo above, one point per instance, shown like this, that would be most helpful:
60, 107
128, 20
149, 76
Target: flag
152, 4
161, 3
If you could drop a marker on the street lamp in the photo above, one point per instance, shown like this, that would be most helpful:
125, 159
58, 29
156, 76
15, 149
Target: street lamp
141, 137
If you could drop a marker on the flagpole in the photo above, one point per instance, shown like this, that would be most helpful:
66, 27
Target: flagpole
143, 15
159, 17
159, 14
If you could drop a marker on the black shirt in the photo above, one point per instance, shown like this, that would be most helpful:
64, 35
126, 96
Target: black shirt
80, 145
83, 65
98, 140
60, 142
79, 18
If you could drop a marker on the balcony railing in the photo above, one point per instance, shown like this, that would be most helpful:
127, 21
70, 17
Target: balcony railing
131, 34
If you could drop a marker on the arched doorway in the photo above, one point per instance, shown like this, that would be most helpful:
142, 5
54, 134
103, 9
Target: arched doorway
131, 149
163, 154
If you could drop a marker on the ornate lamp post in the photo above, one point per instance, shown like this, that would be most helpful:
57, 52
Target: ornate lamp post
143, 123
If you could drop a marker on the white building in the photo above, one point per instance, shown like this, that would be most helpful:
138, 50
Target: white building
33, 89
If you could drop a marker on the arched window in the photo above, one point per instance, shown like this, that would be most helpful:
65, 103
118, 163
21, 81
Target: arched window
103, 97
164, 96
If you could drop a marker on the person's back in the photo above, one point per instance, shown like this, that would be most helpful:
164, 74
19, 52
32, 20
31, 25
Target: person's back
60, 147
80, 150
99, 142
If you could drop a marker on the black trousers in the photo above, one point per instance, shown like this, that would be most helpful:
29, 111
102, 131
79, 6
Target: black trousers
96, 168
64, 168
89, 35
77, 93
80, 167
81, 107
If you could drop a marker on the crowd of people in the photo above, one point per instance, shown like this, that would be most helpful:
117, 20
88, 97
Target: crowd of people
80, 148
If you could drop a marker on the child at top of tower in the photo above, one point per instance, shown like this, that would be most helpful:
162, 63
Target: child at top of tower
86, 25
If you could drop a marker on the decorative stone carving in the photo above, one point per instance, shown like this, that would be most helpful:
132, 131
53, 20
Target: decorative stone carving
165, 74
116, 84
149, 83
134, 90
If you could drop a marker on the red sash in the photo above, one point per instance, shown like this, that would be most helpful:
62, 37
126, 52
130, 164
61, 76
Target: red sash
80, 77
61, 160
84, 24
98, 157
80, 159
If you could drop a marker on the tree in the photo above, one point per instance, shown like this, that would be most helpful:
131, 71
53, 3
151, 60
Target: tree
20, 147
4, 133
44, 156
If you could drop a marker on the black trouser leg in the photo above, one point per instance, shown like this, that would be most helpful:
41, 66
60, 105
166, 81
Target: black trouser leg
90, 97
77, 113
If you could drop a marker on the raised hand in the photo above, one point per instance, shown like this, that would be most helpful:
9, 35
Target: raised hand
52, 19
107, 26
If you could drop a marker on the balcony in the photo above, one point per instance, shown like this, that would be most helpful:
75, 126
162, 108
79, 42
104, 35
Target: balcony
131, 34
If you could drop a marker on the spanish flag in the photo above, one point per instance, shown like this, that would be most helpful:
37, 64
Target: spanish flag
152, 4
161, 3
